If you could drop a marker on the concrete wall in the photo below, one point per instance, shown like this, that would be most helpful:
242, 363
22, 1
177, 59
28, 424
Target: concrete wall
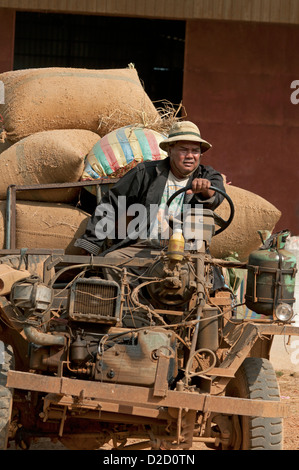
7, 35
237, 82
278, 11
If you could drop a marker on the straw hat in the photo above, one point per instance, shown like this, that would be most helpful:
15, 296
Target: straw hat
185, 130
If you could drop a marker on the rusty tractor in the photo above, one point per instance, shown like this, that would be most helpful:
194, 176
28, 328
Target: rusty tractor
165, 363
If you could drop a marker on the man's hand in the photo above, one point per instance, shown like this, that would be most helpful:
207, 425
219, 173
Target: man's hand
201, 185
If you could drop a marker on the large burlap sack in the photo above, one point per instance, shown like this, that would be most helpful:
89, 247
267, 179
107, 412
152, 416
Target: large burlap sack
252, 213
120, 150
68, 98
46, 157
45, 225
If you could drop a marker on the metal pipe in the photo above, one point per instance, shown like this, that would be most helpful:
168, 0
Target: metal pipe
43, 339
7, 220
10, 217
200, 296
205, 439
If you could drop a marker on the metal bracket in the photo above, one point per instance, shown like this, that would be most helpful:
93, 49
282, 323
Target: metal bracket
161, 383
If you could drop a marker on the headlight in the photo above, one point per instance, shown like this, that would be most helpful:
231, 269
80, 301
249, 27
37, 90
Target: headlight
284, 312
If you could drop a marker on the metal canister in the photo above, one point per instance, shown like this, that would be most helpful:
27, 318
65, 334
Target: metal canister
208, 337
271, 276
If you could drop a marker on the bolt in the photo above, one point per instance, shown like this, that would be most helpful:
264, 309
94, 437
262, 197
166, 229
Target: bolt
111, 374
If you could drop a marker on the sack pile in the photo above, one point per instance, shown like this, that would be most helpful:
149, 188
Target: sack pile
252, 214
65, 98
56, 156
52, 119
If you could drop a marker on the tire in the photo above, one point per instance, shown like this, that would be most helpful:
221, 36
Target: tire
6, 395
256, 379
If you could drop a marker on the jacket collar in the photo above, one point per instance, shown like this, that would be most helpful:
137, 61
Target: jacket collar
163, 166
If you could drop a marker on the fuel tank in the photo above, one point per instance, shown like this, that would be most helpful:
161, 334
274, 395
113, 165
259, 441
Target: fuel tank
271, 277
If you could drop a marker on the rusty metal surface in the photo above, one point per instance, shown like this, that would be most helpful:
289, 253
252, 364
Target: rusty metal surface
143, 396
32, 251
241, 337
278, 329
267, 327
95, 409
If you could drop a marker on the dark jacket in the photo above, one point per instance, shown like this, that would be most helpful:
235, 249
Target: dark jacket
145, 184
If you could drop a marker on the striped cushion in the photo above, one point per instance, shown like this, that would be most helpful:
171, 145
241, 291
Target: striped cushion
117, 152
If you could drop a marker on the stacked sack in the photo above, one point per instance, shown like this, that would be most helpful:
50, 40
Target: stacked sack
51, 119
252, 214
66, 98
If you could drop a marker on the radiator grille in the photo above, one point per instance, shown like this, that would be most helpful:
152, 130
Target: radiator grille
94, 300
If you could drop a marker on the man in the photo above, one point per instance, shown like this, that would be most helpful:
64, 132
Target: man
150, 184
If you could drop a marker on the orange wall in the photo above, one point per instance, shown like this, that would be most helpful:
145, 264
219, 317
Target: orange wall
7, 34
237, 81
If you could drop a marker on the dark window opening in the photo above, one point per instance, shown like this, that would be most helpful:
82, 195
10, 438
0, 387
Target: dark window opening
155, 47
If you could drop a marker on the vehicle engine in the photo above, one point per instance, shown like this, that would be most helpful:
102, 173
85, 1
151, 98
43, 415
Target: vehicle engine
100, 330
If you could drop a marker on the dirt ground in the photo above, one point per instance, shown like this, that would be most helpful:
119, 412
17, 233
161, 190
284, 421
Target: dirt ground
289, 391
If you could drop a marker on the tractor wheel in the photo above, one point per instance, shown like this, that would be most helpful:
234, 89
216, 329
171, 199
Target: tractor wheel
6, 398
256, 379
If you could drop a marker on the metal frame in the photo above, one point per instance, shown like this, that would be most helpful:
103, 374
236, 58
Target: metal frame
11, 202
133, 397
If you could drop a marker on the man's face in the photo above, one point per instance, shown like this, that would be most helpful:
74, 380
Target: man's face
184, 157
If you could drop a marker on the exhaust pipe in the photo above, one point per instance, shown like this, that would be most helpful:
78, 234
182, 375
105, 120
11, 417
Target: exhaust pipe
43, 339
